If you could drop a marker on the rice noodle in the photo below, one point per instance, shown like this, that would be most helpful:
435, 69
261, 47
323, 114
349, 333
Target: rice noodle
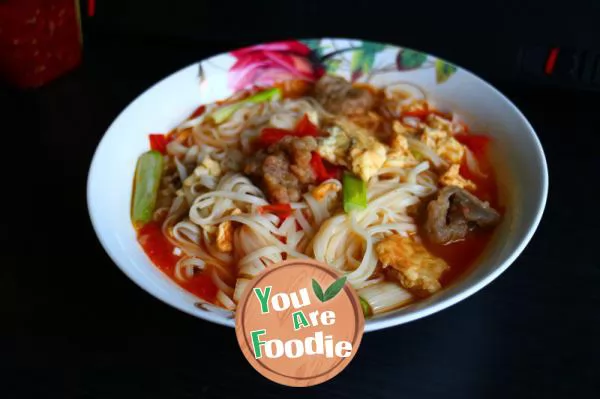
427, 152
185, 267
385, 296
225, 300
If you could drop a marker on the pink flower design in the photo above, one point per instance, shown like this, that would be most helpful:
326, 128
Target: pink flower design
265, 64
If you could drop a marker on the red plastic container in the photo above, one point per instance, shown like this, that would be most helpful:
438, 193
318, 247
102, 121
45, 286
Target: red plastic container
39, 40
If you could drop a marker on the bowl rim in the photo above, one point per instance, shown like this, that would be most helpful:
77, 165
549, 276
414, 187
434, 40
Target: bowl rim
388, 320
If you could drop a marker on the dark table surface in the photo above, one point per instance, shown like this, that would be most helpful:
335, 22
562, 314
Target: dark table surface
73, 325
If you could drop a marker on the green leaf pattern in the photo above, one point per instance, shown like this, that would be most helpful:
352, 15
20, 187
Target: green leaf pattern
315, 45
410, 59
362, 59
332, 65
334, 289
317, 290
443, 71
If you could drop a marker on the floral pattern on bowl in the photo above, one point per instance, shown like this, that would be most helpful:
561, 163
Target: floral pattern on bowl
266, 64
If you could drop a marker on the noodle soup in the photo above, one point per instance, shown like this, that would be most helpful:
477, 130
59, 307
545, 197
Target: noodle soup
389, 191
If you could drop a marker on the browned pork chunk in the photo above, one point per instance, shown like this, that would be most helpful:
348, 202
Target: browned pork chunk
338, 96
454, 212
283, 170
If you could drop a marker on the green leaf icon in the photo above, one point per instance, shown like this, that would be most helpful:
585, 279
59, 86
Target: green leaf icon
334, 289
443, 71
318, 290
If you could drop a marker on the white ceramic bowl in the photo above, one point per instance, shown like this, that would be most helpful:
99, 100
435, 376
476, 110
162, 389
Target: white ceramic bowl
516, 151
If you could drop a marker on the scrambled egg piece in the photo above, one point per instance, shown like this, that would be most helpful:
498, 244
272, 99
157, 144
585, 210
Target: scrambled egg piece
367, 160
225, 233
442, 142
236, 211
436, 122
322, 189
335, 146
399, 128
352, 146
212, 166
208, 167
399, 154
207, 173
225, 236
399, 142
416, 105
415, 268
452, 177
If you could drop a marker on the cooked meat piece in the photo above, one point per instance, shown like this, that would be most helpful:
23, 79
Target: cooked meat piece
411, 264
338, 96
454, 212
253, 165
283, 170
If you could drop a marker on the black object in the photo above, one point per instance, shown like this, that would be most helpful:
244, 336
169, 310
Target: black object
491, 39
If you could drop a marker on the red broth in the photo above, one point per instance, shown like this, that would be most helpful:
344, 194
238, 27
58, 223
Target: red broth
461, 255
160, 252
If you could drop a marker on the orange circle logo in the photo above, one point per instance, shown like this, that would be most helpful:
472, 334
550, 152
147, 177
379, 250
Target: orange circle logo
298, 323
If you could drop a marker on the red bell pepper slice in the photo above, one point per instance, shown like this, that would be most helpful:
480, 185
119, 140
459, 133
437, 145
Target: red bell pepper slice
158, 142
443, 115
418, 113
306, 128
199, 111
316, 162
323, 171
283, 211
271, 135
